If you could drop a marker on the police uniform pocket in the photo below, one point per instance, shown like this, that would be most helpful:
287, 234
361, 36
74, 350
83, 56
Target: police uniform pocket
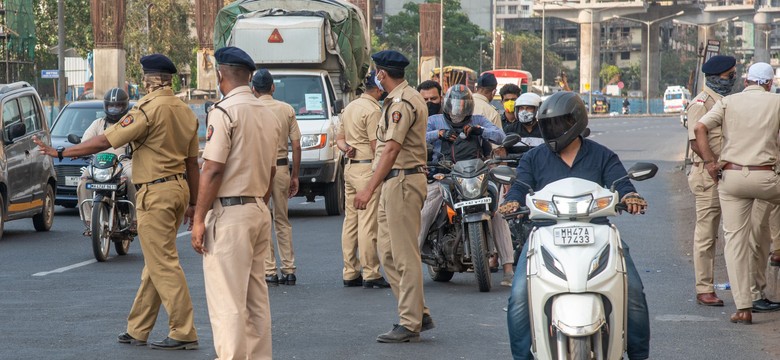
140, 199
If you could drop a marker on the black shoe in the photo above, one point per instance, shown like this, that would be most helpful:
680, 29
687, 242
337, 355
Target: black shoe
125, 338
375, 284
399, 334
272, 280
354, 282
763, 305
171, 344
288, 279
427, 323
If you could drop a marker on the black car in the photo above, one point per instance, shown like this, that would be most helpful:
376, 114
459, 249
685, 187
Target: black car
74, 118
27, 180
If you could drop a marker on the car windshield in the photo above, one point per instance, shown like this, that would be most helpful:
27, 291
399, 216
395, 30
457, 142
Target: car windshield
676, 96
304, 93
76, 120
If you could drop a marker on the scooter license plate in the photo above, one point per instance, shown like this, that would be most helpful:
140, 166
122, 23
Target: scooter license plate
574, 235
93, 186
461, 204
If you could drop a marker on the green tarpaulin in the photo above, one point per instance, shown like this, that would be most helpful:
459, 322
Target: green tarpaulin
344, 19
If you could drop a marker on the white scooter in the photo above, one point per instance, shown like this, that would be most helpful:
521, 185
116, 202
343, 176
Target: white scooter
577, 283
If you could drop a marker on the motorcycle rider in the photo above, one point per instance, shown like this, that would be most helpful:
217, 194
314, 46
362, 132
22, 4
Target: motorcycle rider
562, 119
625, 105
116, 103
524, 122
457, 135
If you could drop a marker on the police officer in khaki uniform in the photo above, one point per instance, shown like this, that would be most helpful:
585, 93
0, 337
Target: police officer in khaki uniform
765, 230
751, 122
285, 183
357, 139
232, 225
399, 169
720, 76
486, 90
162, 131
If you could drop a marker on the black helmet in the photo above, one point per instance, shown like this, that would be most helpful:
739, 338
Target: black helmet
562, 118
458, 105
115, 104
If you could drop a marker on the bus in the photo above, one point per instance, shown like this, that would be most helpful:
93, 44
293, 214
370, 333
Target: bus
520, 78
676, 99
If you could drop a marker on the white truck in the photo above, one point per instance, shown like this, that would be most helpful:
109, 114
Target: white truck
317, 52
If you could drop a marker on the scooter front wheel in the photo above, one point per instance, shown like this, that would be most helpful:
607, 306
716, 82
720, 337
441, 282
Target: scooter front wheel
579, 348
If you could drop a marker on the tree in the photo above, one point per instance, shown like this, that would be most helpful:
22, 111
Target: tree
531, 49
609, 74
632, 77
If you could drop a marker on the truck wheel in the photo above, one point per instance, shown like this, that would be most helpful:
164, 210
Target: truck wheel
43, 221
334, 195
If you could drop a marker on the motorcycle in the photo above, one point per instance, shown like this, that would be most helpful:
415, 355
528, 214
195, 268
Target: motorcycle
460, 237
112, 211
577, 282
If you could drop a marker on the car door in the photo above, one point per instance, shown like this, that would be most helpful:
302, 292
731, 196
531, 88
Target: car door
38, 166
17, 152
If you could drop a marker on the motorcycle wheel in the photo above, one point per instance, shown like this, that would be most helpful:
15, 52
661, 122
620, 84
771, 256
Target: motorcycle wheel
101, 230
440, 275
122, 246
579, 348
479, 255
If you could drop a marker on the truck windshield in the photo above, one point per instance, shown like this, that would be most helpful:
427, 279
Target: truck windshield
304, 93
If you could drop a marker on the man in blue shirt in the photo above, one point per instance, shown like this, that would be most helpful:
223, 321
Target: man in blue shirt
562, 119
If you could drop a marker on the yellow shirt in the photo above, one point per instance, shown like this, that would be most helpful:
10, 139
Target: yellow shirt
358, 125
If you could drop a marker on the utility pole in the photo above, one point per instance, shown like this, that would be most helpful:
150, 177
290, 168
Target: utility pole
61, 50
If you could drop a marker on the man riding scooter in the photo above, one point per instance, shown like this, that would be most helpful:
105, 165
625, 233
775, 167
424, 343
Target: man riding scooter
562, 119
458, 135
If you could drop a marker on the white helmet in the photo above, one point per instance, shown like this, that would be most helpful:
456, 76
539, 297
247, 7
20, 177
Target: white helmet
529, 99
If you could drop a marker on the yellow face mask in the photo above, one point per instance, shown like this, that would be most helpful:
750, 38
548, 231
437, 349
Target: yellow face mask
509, 106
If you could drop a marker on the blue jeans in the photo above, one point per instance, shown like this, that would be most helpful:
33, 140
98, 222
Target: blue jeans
519, 322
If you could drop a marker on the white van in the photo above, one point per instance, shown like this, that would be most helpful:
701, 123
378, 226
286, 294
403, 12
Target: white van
676, 99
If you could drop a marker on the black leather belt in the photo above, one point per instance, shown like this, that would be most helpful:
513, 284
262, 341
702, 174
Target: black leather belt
352, 161
395, 172
281, 162
237, 200
160, 180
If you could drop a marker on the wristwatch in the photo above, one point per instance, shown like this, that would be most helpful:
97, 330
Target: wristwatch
60, 149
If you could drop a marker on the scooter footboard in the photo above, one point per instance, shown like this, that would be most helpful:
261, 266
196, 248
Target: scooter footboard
578, 314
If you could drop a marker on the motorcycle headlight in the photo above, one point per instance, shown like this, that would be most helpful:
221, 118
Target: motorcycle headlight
573, 206
599, 263
102, 175
316, 141
471, 188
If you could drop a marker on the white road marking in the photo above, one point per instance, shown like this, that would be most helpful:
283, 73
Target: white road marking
85, 263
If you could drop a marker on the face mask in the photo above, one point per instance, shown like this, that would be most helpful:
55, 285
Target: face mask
509, 106
720, 85
378, 83
525, 117
433, 108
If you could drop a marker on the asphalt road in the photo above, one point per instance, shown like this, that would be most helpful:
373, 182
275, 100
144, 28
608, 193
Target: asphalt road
50, 313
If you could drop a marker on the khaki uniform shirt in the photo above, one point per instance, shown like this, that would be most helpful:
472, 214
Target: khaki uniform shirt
699, 106
482, 107
750, 122
288, 125
404, 120
244, 137
358, 125
98, 127
163, 132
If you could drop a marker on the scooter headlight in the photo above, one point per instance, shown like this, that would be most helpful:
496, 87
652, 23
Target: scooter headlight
102, 175
573, 206
599, 263
471, 188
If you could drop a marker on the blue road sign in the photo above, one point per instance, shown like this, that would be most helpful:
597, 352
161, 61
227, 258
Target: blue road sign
50, 74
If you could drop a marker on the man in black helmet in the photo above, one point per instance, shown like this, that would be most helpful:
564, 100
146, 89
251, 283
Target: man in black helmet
115, 105
562, 118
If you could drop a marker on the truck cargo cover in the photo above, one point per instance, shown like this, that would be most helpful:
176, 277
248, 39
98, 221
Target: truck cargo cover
347, 37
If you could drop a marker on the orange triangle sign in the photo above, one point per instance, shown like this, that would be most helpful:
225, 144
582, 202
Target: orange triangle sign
275, 37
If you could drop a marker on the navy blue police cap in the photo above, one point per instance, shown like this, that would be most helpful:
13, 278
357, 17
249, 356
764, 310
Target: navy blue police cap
233, 56
369, 81
390, 59
487, 80
157, 63
262, 79
718, 64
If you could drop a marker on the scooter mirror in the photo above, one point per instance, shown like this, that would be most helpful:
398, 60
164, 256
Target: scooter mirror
510, 140
642, 171
503, 174
74, 139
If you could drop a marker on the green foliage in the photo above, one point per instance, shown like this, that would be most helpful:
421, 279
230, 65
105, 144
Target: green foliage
531, 47
607, 73
78, 31
676, 68
631, 77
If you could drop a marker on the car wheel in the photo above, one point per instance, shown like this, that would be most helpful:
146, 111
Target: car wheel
45, 218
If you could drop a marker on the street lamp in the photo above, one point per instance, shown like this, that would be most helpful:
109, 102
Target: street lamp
647, 74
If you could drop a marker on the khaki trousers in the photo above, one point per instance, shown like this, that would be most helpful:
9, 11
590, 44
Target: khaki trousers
280, 194
160, 210
358, 234
237, 241
738, 191
84, 194
705, 234
765, 224
400, 204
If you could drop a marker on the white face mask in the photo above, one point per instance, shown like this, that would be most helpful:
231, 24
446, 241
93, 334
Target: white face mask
378, 83
525, 116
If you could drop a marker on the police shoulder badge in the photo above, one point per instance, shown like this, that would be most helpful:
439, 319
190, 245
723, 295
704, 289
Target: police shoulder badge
396, 116
209, 132
127, 120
